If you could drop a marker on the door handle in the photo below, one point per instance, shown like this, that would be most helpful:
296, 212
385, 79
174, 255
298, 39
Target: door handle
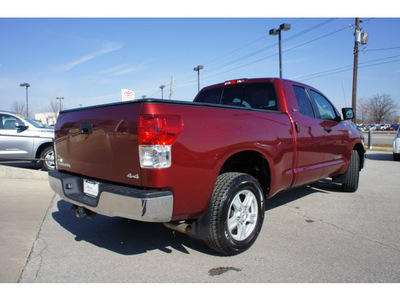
328, 129
85, 128
296, 126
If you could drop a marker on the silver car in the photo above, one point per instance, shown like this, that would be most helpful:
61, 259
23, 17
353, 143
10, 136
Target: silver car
396, 146
23, 139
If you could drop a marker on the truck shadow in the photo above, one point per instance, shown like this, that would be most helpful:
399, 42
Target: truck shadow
322, 186
380, 156
123, 236
129, 237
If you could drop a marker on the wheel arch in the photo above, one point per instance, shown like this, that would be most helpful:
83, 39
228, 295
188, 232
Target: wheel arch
252, 163
361, 152
41, 148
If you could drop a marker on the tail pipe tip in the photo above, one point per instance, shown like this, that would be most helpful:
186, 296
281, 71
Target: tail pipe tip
180, 227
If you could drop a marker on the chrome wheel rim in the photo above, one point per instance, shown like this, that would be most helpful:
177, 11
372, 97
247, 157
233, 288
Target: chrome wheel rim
49, 159
242, 215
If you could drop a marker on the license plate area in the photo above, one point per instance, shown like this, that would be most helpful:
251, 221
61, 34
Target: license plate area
90, 188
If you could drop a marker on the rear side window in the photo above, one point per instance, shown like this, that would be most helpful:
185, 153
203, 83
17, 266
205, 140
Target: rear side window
303, 101
210, 96
250, 95
260, 96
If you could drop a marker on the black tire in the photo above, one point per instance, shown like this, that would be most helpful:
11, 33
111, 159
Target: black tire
237, 213
396, 156
353, 173
47, 154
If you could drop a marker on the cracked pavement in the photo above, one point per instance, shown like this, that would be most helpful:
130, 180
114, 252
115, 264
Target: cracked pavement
315, 233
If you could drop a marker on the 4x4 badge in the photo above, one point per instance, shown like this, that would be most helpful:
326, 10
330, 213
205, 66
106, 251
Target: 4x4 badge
133, 176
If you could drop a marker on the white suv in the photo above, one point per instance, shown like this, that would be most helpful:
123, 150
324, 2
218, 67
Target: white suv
396, 146
23, 139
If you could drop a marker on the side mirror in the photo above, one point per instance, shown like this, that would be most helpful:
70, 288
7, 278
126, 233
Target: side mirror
348, 113
21, 126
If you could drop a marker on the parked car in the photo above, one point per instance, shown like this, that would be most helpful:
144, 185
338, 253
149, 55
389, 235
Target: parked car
385, 126
396, 145
23, 139
393, 127
204, 168
370, 127
360, 128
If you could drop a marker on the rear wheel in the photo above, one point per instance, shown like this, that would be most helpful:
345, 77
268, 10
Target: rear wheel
353, 173
237, 213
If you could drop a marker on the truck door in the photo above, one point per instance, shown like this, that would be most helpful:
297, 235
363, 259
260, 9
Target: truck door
310, 134
14, 143
336, 134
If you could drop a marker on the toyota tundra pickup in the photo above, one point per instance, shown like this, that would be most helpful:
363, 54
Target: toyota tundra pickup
205, 167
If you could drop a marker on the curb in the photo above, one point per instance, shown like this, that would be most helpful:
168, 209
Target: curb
20, 173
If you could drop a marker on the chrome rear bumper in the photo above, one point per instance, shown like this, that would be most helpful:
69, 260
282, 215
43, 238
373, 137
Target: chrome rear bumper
115, 200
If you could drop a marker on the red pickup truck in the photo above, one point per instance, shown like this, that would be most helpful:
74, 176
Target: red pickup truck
205, 167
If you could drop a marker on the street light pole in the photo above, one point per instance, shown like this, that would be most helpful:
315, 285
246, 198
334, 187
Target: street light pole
59, 103
198, 68
26, 85
162, 91
284, 27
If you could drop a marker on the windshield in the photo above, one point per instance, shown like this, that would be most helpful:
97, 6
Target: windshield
33, 122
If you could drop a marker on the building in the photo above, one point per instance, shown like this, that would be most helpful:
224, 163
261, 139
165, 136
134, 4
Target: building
48, 118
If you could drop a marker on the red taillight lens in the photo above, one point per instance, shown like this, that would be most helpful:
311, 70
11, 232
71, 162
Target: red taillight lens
235, 81
159, 129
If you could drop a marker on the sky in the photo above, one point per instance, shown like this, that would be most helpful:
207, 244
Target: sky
88, 58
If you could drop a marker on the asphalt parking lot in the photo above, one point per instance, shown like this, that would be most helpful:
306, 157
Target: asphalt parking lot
311, 234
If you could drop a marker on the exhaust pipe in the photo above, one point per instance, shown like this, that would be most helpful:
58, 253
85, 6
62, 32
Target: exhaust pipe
82, 212
180, 227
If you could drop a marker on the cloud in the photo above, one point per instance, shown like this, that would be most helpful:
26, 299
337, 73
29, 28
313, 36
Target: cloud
123, 69
107, 48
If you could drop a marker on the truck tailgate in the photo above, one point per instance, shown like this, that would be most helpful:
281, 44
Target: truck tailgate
100, 142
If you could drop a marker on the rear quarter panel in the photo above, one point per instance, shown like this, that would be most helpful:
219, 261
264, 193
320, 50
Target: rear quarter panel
209, 137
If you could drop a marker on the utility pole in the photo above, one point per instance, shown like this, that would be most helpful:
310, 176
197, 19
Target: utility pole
357, 35
170, 89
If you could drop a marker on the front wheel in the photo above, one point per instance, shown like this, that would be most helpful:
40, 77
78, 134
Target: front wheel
237, 213
353, 173
48, 159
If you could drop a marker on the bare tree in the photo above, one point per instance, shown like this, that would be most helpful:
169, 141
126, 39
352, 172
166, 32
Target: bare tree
18, 107
382, 107
363, 108
56, 106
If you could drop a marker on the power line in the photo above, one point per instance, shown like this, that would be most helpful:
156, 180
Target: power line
210, 70
269, 46
381, 49
264, 58
346, 68
190, 79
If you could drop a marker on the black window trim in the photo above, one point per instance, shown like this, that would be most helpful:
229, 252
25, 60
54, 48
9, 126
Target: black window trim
309, 99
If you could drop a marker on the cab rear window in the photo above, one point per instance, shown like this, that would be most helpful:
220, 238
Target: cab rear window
249, 95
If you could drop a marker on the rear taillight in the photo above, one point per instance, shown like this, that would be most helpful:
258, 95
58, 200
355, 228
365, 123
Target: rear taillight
155, 137
235, 81
159, 129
